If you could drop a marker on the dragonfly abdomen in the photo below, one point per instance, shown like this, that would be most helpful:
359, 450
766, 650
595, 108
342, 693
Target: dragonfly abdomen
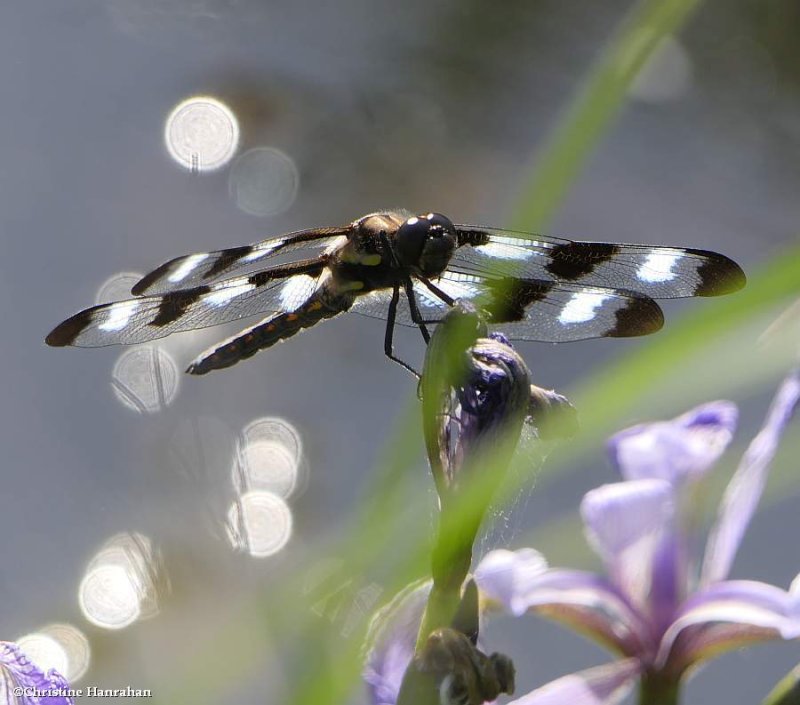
268, 332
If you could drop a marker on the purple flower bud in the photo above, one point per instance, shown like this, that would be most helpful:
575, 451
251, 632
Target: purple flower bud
476, 392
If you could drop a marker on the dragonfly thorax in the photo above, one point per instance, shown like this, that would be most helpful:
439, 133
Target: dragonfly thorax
395, 243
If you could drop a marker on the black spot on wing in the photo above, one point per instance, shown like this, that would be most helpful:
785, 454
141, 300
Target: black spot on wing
66, 332
175, 304
718, 275
640, 315
506, 299
574, 260
149, 279
226, 258
309, 267
476, 238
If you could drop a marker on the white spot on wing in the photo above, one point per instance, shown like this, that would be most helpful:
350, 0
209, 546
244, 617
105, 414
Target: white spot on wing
187, 267
256, 254
223, 295
658, 267
519, 242
457, 286
296, 290
501, 250
119, 314
263, 250
582, 307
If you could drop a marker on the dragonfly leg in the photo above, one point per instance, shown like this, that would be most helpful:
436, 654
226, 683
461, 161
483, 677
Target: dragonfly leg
409, 288
449, 300
416, 316
388, 341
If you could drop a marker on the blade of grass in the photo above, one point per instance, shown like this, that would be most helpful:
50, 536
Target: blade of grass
587, 119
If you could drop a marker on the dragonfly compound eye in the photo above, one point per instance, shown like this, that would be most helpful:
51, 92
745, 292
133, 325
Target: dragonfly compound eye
410, 240
440, 225
439, 246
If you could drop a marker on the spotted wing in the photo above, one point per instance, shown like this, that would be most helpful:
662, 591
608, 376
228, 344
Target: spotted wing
278, 290
658, 272
203, 267
530, 309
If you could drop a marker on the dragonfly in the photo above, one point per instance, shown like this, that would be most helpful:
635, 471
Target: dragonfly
407, 270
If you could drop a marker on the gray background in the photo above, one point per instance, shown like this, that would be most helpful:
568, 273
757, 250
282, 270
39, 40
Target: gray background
425, 106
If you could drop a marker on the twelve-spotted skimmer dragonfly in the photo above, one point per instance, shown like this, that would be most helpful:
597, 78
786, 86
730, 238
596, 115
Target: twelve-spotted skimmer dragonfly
408, 270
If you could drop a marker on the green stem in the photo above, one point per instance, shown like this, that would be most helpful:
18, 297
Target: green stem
452, 556
657, 689
787, 692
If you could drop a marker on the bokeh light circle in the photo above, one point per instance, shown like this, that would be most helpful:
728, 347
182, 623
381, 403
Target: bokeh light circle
666, 76
276, 429
259, 523
123, 582
266, 465
60, 646
264, 181
116, 287
108, 597
145, 379
201, 133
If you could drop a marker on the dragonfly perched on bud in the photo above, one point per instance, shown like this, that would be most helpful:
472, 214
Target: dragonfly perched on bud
475, 388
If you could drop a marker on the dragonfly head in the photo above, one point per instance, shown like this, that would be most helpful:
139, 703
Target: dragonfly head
426, 243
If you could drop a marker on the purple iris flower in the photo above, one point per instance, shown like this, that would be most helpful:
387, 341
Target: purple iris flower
24, 683
658, 607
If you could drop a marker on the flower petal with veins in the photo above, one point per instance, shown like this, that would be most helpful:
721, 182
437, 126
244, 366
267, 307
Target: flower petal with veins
734, 607
602, 685
626, 522
585, 601
677, 450
744, 491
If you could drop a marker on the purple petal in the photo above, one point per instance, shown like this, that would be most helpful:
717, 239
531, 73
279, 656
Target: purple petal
669, 578
627, 523
677, 450
740, 612
705, 642
391, 640
507, 576
585, 601
745, 488
18, 671
602, 685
